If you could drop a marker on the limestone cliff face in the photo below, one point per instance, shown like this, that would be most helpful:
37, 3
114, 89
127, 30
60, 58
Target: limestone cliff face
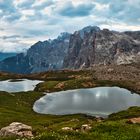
84, 48
48, 55
105, 47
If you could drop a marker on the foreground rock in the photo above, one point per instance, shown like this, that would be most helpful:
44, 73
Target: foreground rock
86, 127
67, 129
17, 129
134, 120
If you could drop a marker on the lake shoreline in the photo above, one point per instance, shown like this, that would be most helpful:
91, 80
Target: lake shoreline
18, 107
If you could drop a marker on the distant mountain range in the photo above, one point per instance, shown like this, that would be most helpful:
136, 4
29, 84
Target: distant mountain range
87, 47
41, 56
6, 55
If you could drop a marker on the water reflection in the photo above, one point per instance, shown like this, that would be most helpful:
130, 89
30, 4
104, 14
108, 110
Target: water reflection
100, 101
17, 86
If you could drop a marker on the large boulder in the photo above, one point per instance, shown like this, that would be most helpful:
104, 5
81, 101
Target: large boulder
86, 127
134, 120
67, 129
17, 129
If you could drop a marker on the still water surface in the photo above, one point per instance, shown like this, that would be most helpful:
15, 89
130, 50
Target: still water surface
17, 86
100, 101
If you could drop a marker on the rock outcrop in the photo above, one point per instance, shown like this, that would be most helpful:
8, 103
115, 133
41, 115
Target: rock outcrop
17, 129
42, 56
67, 128
86, 127
102, 47
134, 120
85, 48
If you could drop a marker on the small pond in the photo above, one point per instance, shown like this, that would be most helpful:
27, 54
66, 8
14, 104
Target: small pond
100, 101
18, 85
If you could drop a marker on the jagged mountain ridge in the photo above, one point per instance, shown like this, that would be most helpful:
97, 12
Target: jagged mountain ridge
84, 48
102, 47
42, 56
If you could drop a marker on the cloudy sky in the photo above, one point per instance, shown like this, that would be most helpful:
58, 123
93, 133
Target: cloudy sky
24, 22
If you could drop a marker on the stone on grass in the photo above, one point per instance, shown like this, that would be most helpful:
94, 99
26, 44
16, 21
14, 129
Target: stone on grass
85, 127
17, 129
134, 120
67, 128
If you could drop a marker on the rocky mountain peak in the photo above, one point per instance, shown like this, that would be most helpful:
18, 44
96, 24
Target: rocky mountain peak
106, 47
42, 56
88, 30
87, 47
63, 36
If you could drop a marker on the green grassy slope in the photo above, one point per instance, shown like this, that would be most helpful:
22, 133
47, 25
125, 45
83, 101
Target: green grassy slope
18, 107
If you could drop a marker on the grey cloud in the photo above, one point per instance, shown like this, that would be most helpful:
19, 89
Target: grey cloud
125, 11
43, 5
70, 10
104, 1
1, 29
10, 37
26, 4
9, 12
7, 6
61, 18
12, 17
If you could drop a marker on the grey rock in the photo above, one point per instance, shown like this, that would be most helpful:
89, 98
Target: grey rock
67, 129
102, 47
42, 56
17, 129
134, 120
86, 127
85, 48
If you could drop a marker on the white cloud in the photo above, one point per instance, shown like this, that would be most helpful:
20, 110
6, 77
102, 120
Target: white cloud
47, 11
34, 20
29, 12
42, 3
120, 26
8, 46
102, 7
